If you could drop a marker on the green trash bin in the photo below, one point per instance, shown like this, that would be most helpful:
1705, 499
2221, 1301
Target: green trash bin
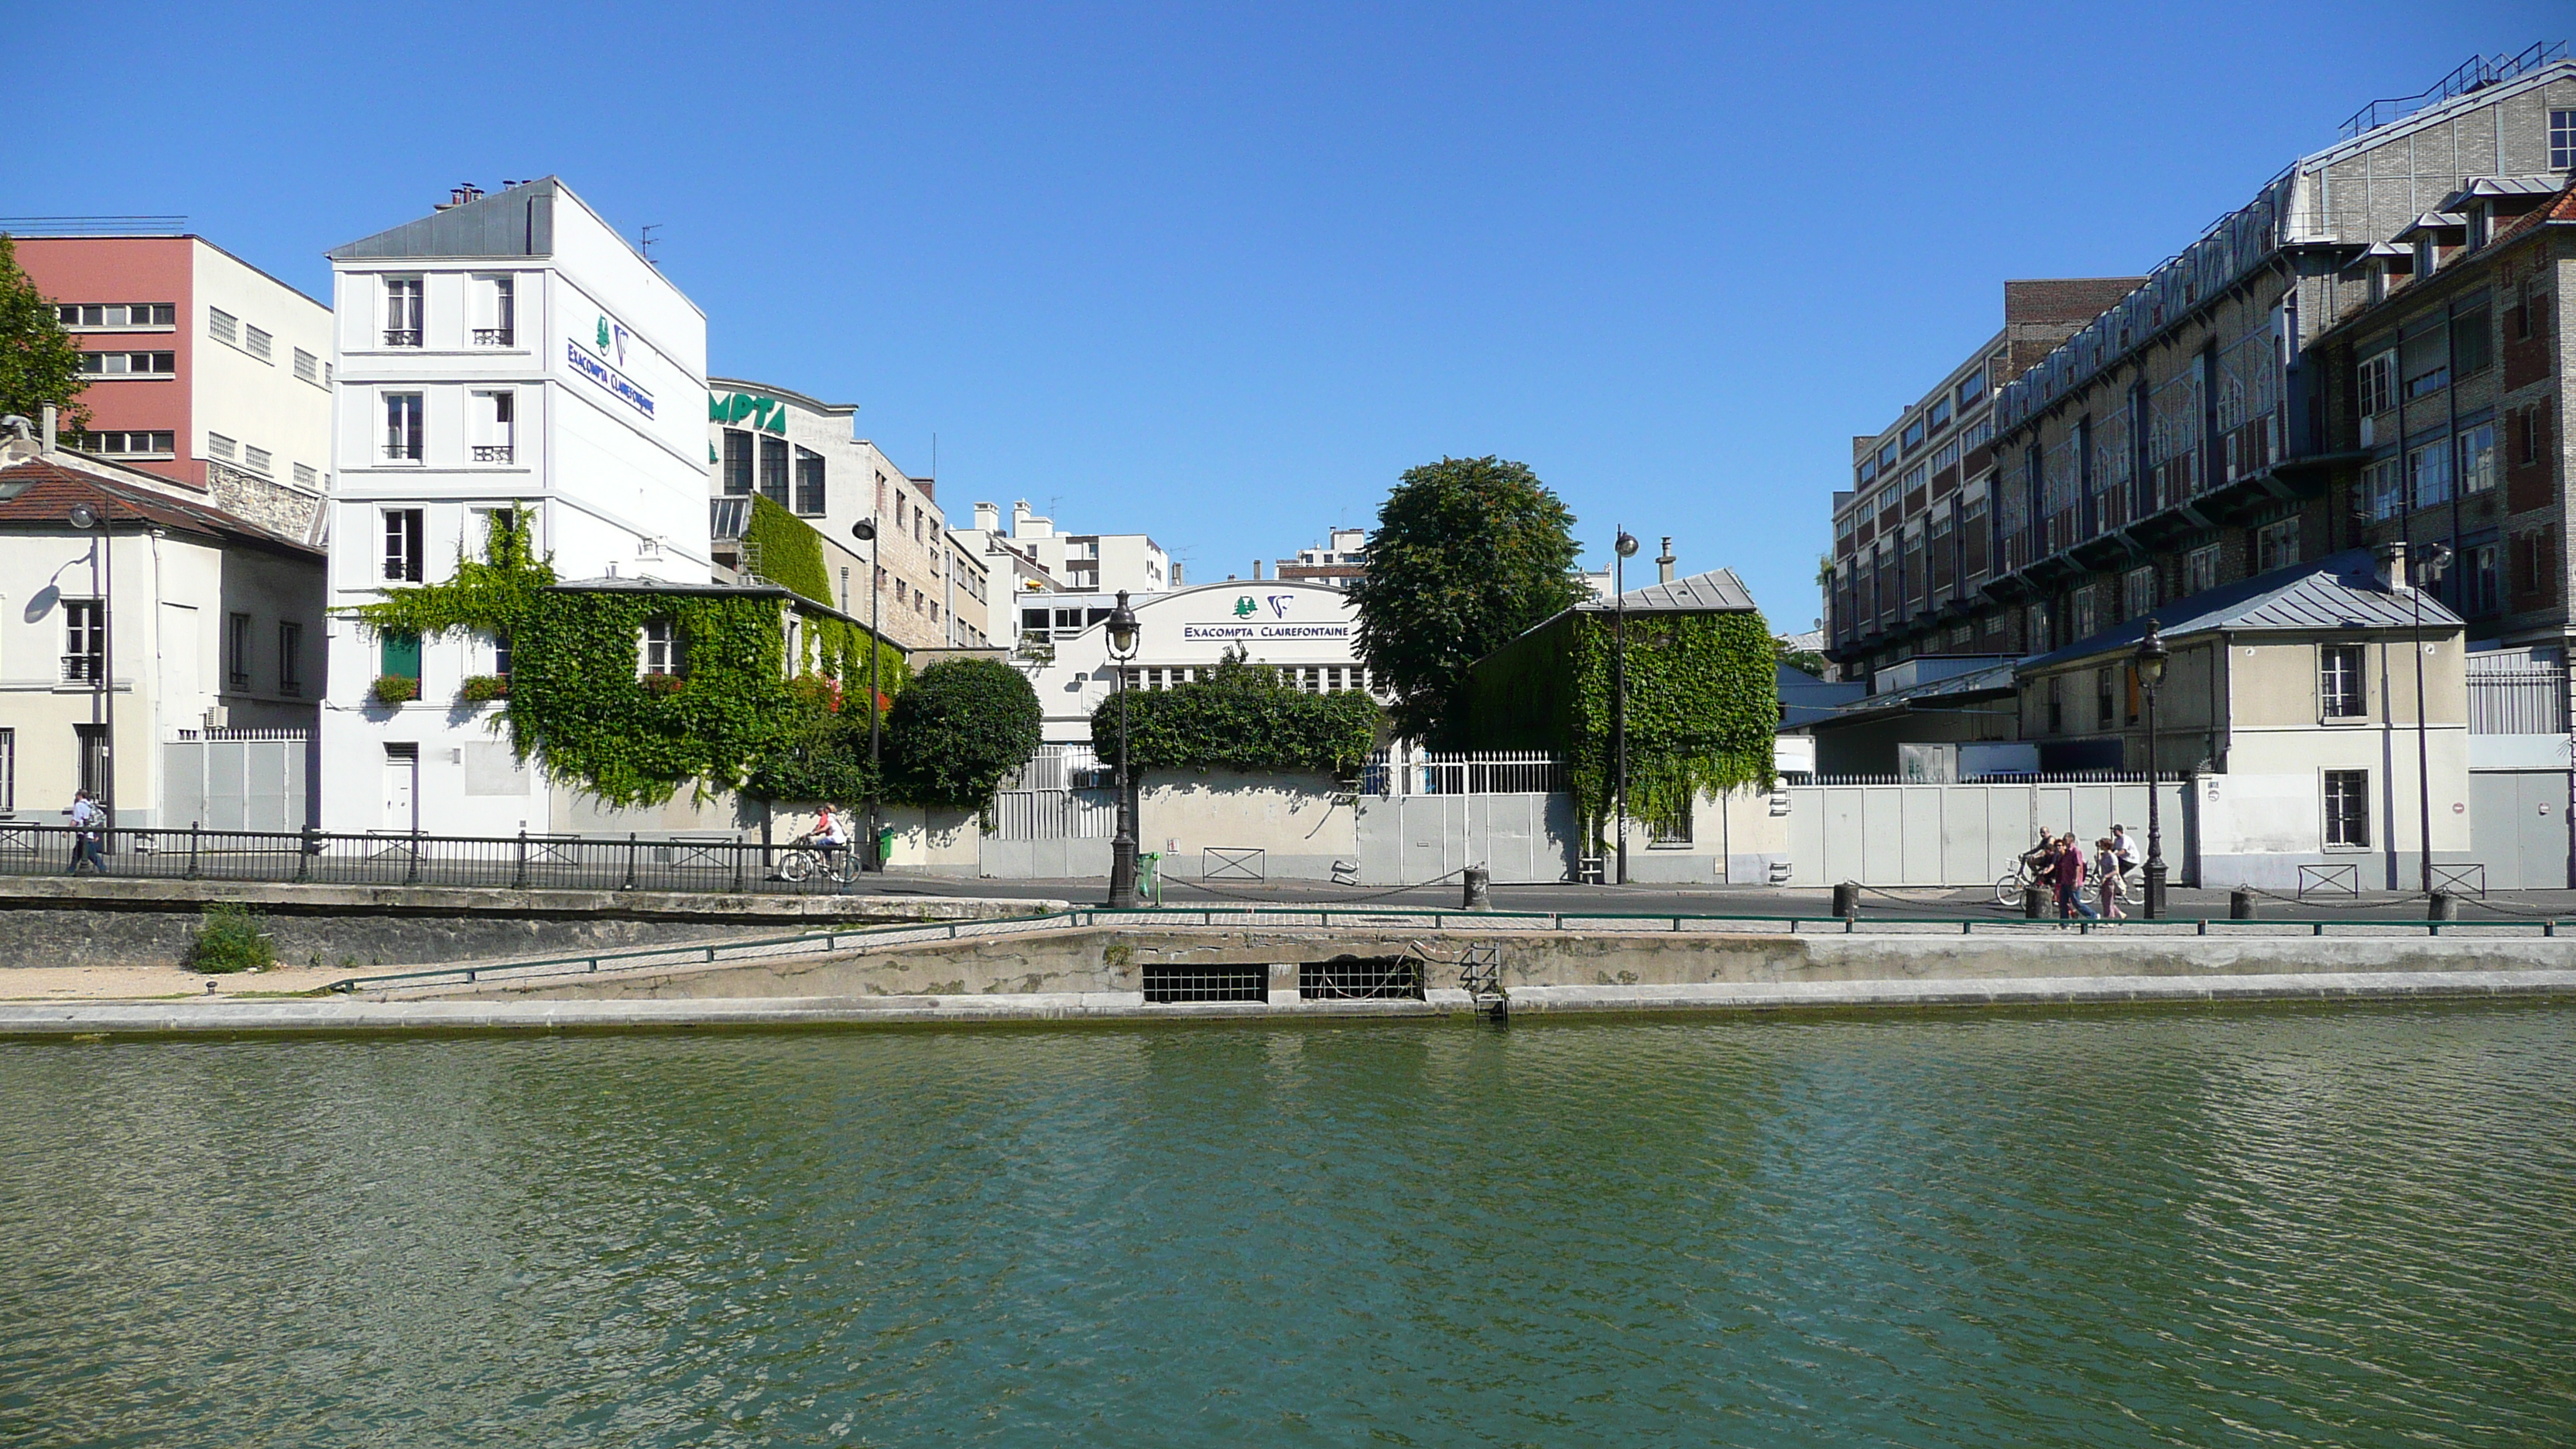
1149, 876
885, 845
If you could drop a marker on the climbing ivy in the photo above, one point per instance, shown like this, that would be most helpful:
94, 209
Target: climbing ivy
575, 701
791, 552
1703, 705
1241, 717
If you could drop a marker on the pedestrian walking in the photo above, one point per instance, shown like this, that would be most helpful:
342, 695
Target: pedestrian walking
2070, 881
87, 821
2108, 867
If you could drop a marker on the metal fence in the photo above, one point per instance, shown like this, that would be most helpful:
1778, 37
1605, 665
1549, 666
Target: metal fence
535, 862
2530, 700
1480, 772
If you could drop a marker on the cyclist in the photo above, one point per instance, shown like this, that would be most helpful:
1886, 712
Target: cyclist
2124, 852
829, 837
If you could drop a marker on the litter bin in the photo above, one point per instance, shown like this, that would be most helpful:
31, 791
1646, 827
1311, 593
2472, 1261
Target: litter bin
1149, 876
1847, 900
2240, 905
885, 846
1479, 894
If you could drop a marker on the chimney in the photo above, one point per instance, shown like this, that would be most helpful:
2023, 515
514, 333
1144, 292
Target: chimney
1664, 563
50, 415
2392, 566
988, 517
1256, 571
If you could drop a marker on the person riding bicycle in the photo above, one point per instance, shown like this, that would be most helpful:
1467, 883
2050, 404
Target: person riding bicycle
2124, 852
828, 837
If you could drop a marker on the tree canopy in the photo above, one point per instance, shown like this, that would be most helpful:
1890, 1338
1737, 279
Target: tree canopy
39, 361
961, 727
1468, 554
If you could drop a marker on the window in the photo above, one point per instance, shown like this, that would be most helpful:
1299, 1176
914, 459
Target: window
255, 459
1970, 389
505, 522
1913, 435
117, 316
2472, 344
1671, 832
2379, 383
737, 463
2428, 475
402, 312
659, 647
2347, 809
2477, 459
2137, 591
404, 545
2102, 716
1887, 456
2057, 704
2035, 629
306, 477
2481, 579
219, 446
290, 658
2562, 140
126, 444
773, 470
237, 653
402, 426
2342, 691
2200, 569
222, 326
308, 368
809, 482
84, 641
1868, 471
8, 771
129, 364
495, 312
495, 425
1939, 417
2088, 612
2276, 545
501, 653
256, 343
2382, 490
2424, 362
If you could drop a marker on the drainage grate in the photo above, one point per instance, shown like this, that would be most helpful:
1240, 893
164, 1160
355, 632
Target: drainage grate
1360, 978
1166, 985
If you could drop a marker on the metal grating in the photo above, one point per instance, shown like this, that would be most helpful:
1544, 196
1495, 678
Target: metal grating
1360, 978
1177, 985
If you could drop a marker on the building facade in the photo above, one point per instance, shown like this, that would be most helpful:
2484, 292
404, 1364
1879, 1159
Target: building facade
1100, 563
201, 368
805, 456
1341, 562
1308, 632
507, 352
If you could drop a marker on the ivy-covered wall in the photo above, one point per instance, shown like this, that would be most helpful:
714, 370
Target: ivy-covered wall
1703, 705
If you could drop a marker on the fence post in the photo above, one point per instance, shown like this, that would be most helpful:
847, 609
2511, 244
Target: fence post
411, 868
738, 849
311, 847
519, 875
192, 849
630, 862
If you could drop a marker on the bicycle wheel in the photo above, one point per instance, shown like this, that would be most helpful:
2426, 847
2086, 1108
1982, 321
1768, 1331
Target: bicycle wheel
2008, 890
795, 866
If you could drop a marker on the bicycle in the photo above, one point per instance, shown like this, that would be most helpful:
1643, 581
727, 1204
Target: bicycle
2009, 889
805, 860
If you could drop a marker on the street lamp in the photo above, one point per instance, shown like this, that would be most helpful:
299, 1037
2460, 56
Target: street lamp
102, 684
2151, 673
865, 531
1122, 851
1622, 551
2437, 557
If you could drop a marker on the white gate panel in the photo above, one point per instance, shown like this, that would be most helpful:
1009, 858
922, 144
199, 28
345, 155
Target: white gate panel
1959, 835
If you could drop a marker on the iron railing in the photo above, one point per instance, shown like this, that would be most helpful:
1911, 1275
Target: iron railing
522, 862
493, 336
2517, 701
2475, 73
1480, 772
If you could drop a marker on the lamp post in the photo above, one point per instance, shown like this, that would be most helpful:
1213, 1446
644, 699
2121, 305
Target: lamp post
2428, 574
1621, 551
102, 682
865, 531
1122, 851
2151, 673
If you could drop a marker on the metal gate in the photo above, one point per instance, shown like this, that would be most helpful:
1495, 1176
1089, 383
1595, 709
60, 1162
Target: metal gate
234, 779
1410, 839
1961, 835
2518, 828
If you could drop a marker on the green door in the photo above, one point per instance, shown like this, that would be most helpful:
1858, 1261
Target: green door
402, 655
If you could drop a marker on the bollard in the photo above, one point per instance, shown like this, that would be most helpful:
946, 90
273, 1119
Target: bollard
1480, 894
2444, 906
2240, 905
2034, 901
1847, 900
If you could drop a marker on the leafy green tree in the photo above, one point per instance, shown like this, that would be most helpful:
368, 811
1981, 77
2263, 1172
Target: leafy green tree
1468, 553
39, 362
961, 727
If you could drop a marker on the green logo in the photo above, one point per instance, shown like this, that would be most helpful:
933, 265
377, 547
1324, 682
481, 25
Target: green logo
1244, 608
603, 334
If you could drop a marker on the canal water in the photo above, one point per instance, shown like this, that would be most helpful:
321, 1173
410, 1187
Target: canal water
2273, 1227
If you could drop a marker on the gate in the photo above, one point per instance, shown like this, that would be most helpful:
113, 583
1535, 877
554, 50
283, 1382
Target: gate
1427, 816
234, 779
2518, 828
1893, 834
1052, 820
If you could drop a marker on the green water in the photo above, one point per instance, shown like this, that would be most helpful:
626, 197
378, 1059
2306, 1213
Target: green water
2346, 1226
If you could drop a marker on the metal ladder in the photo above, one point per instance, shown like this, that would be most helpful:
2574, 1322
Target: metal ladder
1480, 975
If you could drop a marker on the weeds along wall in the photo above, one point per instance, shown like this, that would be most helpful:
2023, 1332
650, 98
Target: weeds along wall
1703, 704
576, 700
1242, 717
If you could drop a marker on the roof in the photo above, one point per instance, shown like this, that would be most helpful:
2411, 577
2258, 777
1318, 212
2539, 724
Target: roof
744, 384
2477, 186
516, 222
2340, 593
54, 487
1992, 681
1716, 592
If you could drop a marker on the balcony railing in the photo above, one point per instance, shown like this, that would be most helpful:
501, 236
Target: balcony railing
492, 452
83, 668
495, 336
402, 337
404, 451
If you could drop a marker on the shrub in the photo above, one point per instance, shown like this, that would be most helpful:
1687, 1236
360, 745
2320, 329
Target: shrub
961, 727
229, 939
392, 689
1242, 717
661, 686
485, 688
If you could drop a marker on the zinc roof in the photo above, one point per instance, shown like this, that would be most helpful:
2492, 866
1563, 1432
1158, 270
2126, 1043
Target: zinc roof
2339, 593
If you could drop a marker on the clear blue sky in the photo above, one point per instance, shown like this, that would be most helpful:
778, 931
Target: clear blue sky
1222, 275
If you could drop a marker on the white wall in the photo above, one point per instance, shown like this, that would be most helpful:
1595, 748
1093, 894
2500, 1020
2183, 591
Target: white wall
1290, 625
258, 403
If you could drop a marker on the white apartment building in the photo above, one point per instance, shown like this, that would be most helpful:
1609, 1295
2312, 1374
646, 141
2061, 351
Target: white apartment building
1011, 575
509, 349
1094, 562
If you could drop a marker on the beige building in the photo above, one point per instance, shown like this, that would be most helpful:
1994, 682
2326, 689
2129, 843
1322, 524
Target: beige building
804, 455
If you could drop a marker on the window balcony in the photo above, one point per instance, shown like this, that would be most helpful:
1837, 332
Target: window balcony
402, 337
495, 337
493, 452
403, 452
83, 668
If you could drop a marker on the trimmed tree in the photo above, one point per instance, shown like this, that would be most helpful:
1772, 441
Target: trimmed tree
961, 727
39, 361
1468, 554
1241, 717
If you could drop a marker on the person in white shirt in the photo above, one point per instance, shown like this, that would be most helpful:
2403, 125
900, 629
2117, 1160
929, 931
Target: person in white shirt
829, 836
87, 820
2124, 851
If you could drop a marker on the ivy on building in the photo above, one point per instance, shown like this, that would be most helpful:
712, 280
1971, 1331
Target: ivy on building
576, 700
1703, 706
1241, 717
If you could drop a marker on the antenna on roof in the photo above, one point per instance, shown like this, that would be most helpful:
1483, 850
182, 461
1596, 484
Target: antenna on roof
644, 239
